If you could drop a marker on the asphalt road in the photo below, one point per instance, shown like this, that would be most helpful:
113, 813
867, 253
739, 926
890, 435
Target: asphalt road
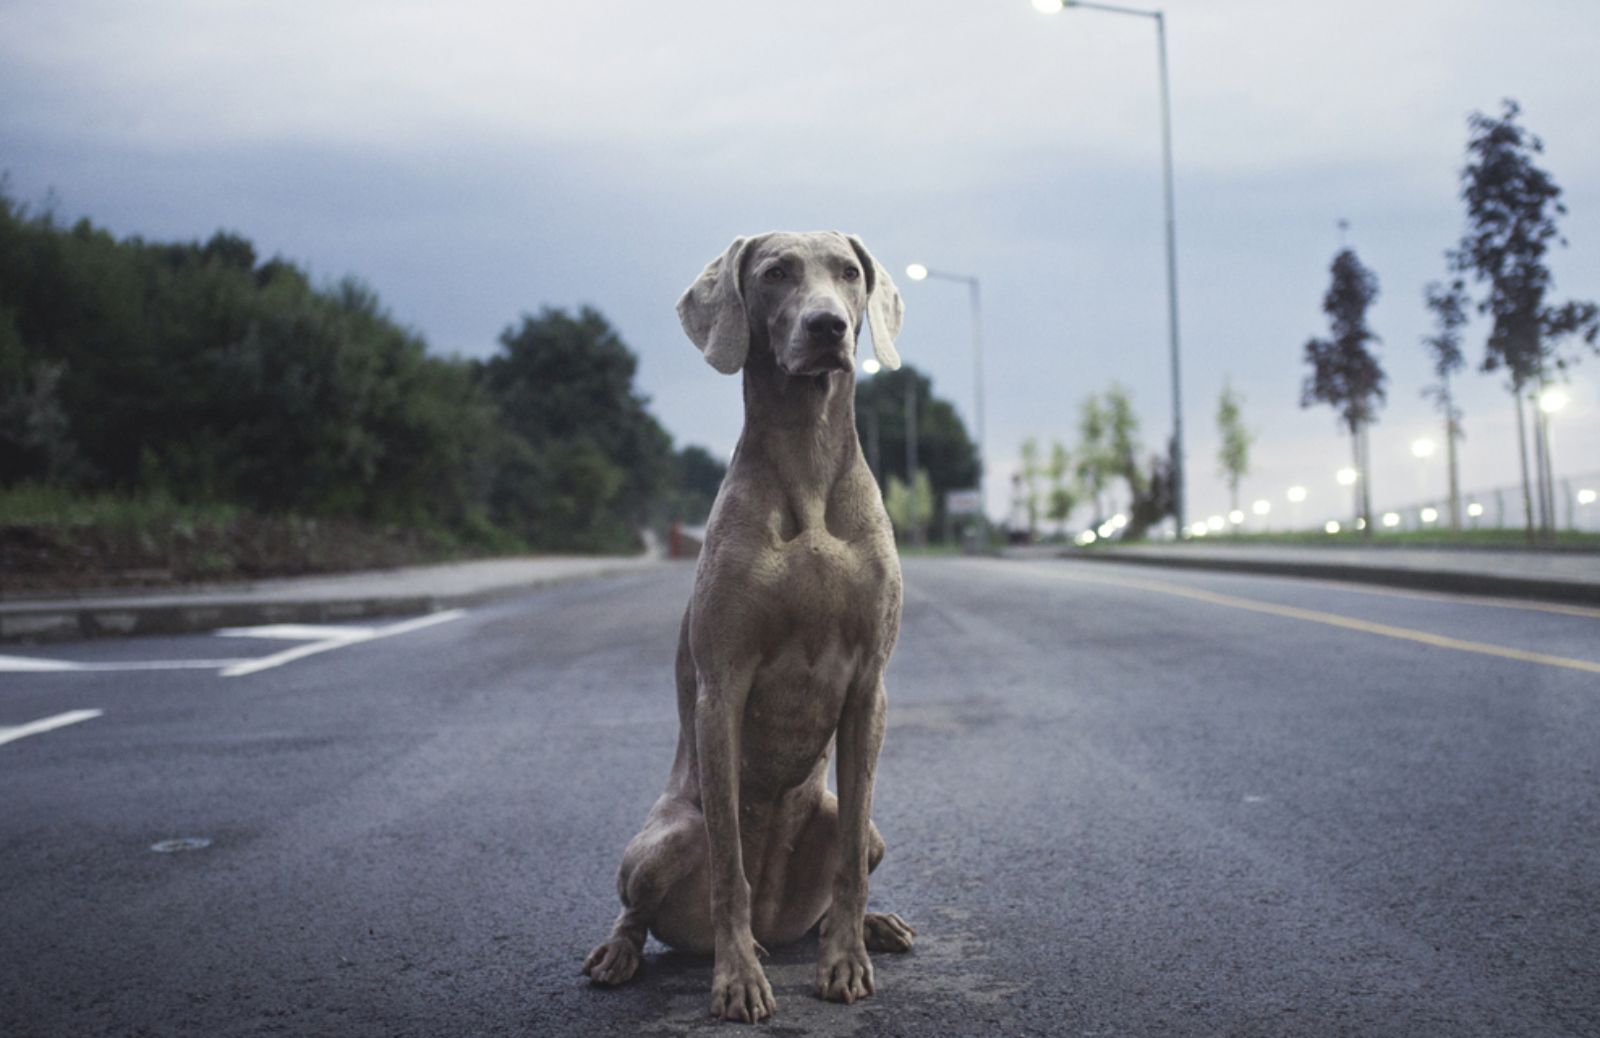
1116, 801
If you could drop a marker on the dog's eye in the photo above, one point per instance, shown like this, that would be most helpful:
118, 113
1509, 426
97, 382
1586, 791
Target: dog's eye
774, 274
852, 273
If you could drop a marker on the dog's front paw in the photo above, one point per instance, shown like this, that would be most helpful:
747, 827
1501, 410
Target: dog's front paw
844, 974
739, 991
614, 962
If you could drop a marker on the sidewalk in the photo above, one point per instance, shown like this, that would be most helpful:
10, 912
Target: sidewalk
315, 599
1561, 576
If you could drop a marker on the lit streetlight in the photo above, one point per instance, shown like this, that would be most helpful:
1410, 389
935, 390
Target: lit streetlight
1261, 507
1296, 495
1347, 476
1422, 449
918, 272
1051, 7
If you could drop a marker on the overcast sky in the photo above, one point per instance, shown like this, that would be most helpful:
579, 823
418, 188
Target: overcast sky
473, 161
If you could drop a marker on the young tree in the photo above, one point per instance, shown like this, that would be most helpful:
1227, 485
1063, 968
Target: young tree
1449, 307
1344, 373
1092, 450
1061, 500
1233, 457
1512, 207
910, 507
1030, 472
1122, 440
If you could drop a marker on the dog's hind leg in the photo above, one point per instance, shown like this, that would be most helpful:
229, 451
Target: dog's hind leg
669, 850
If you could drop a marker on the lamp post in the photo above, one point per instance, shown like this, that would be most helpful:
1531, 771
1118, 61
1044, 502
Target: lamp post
918, 272
1050, 7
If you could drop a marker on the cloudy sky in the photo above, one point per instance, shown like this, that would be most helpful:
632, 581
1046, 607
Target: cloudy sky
476, 160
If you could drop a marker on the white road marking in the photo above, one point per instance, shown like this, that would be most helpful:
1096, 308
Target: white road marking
321, 637
28, 664
36, 665
295, 632
46, 724
346, 636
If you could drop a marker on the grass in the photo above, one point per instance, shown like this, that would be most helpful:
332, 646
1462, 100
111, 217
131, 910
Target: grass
55, 539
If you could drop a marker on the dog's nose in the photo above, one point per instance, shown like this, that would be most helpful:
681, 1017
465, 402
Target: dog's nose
825, 326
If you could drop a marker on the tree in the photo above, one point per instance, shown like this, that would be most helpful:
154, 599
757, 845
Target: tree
1092, 453
1233, 456
1122, 440
1512, 206
1345, 375
1062, 499
1030, 472
587, 458
1449, 308
910, 507
943, 447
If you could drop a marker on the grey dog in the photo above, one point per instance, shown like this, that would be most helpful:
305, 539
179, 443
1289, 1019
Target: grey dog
795, 610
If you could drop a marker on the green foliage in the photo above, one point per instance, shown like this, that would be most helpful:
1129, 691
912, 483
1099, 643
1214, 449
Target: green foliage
944, 449
1063, 496
583, 459
1512, 206
911, 507
193, 373
1233, 456
1345, 374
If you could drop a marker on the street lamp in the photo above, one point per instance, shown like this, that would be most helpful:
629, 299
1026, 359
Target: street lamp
1051, 7
1422, 449
1347, 476
918, 272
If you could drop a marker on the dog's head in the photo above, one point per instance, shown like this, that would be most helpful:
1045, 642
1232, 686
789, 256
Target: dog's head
804, 296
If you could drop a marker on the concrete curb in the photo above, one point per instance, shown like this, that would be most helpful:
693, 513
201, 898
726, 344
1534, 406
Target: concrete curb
1490, 584
62, 620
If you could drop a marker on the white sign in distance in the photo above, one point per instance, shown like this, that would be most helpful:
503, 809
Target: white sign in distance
962, 502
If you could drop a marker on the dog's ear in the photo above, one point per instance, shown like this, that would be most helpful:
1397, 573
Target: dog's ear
712, 310
885, 310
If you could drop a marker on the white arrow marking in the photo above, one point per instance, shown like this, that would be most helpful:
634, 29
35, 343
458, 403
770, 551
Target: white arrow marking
344, 638
22, 731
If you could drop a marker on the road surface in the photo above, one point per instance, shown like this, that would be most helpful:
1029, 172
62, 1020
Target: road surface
1116, 801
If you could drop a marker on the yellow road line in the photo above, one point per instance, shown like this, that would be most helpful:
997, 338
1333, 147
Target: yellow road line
1347, 622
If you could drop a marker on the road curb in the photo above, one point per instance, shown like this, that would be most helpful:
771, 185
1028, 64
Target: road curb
62, 621
1493, 585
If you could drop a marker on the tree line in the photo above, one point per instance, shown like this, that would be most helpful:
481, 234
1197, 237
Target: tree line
1512, 208
202, 372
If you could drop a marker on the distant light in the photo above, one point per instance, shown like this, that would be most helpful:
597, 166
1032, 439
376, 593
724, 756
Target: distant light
871, 366
1476, 509
1361, 523
1118, 521
1048, 6
1347, 476
1106, 529
1215, 523
1430, 515
1422, 448
916, 272
1297, 494
1199, 529
1261, 507
1553, 400
1585, 497
1331, 526
1236, 517
1086, 538
1391, 518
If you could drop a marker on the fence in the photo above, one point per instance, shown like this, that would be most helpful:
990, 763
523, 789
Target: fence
1577, 507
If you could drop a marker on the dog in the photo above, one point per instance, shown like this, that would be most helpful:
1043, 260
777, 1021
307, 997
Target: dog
781, 656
